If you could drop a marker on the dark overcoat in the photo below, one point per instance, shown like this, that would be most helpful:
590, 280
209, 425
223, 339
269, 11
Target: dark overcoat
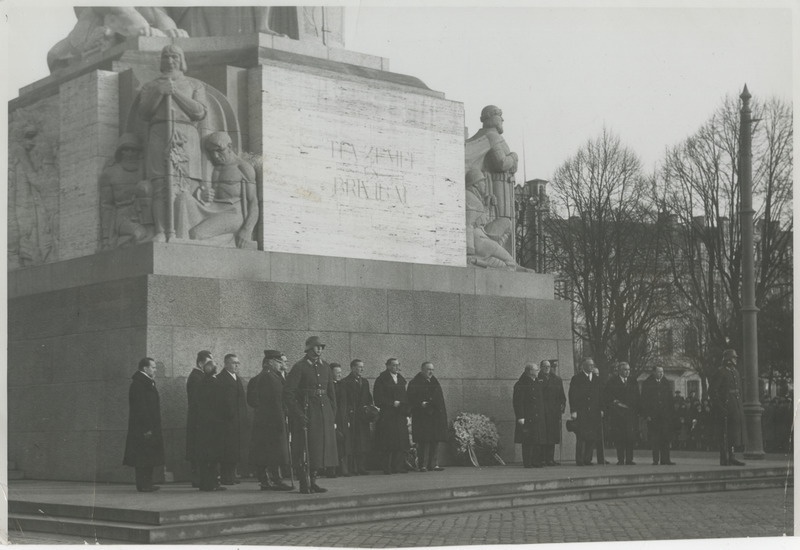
234, 399
555, 401
144, 416
428, 424
391, 428
344, 441
528, 401
358, 397
211, 421
725, 391
310, 382
192, 383
658, 407
621, 403
269, 443
584, 398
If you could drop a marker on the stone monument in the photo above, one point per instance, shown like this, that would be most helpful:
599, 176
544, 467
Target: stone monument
173, 193
488, 152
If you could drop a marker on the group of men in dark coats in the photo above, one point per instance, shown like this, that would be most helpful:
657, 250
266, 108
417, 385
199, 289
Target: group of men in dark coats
539, 402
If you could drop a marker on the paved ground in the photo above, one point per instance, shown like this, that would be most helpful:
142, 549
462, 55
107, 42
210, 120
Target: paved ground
753, 513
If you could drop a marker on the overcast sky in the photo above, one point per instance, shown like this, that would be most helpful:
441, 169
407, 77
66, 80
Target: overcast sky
650, 74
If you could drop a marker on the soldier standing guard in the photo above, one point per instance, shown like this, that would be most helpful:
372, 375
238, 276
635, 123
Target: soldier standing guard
726, 402
310, 397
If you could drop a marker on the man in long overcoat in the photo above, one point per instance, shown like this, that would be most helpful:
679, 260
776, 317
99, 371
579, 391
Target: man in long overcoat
310, 397
144, 446
234, 399
555, 401
530, 429
391, 428
657, 407
428, 416
192, 383
725, 391
343, 439
585, 410
269, 443
621, 403
210, 429
359, 400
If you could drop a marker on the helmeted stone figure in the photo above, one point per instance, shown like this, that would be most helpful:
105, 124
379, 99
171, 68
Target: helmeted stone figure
172, 105
125, 197
488, 152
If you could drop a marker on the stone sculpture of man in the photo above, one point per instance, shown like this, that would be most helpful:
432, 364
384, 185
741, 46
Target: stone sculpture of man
488, 152
229, 205
485, 238
125, 205
172, 104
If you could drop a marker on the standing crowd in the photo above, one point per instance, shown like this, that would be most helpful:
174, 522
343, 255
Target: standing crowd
310, 420
307, 420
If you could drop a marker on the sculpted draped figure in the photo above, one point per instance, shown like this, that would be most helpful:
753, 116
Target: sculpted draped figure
488, 152
485, 237
101, 27
172, 104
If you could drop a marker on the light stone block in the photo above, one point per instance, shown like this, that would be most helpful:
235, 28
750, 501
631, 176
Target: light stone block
504, 283
443, 278
367, 171
372, 274
256, 304
30, 362
513, 353
183, 301
492, 316
490, 397
461, 357
212, 262
423, 313
566, 358
89, 130
549, 319
305, 269
347, 309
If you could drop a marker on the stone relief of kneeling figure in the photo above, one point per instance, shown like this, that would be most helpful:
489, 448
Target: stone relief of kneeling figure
485, 239
224, 212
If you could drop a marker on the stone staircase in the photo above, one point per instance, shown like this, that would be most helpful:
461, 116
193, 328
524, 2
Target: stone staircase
190, 523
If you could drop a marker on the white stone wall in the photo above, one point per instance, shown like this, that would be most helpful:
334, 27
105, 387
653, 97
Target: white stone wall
89, 107
359, 169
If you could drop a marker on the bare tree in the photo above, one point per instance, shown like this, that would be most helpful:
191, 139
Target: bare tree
700, 188
607, 244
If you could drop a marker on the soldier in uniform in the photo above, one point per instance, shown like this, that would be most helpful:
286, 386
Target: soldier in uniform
531, 428
726, 402
621, 400
555, 401
359, 403
310, 397
269, 444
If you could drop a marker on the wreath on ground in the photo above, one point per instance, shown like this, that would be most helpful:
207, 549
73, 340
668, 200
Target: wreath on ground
475, 439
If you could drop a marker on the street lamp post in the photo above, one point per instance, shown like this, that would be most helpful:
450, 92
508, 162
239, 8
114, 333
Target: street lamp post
753, 446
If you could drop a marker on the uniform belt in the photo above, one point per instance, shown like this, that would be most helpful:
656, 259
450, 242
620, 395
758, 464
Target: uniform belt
318, 392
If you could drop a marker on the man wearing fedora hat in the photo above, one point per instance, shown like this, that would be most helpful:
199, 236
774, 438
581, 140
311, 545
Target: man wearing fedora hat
725, 390
310, 397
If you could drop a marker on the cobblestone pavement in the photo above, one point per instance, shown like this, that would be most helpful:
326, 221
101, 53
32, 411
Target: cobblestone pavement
752, 513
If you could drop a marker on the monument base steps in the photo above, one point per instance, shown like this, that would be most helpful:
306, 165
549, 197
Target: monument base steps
295, 511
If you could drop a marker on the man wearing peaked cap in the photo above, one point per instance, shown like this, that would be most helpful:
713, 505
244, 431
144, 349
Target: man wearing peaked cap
310, 398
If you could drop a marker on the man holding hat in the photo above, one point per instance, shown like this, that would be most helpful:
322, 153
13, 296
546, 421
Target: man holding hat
725, 390
310, 397
269, 444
